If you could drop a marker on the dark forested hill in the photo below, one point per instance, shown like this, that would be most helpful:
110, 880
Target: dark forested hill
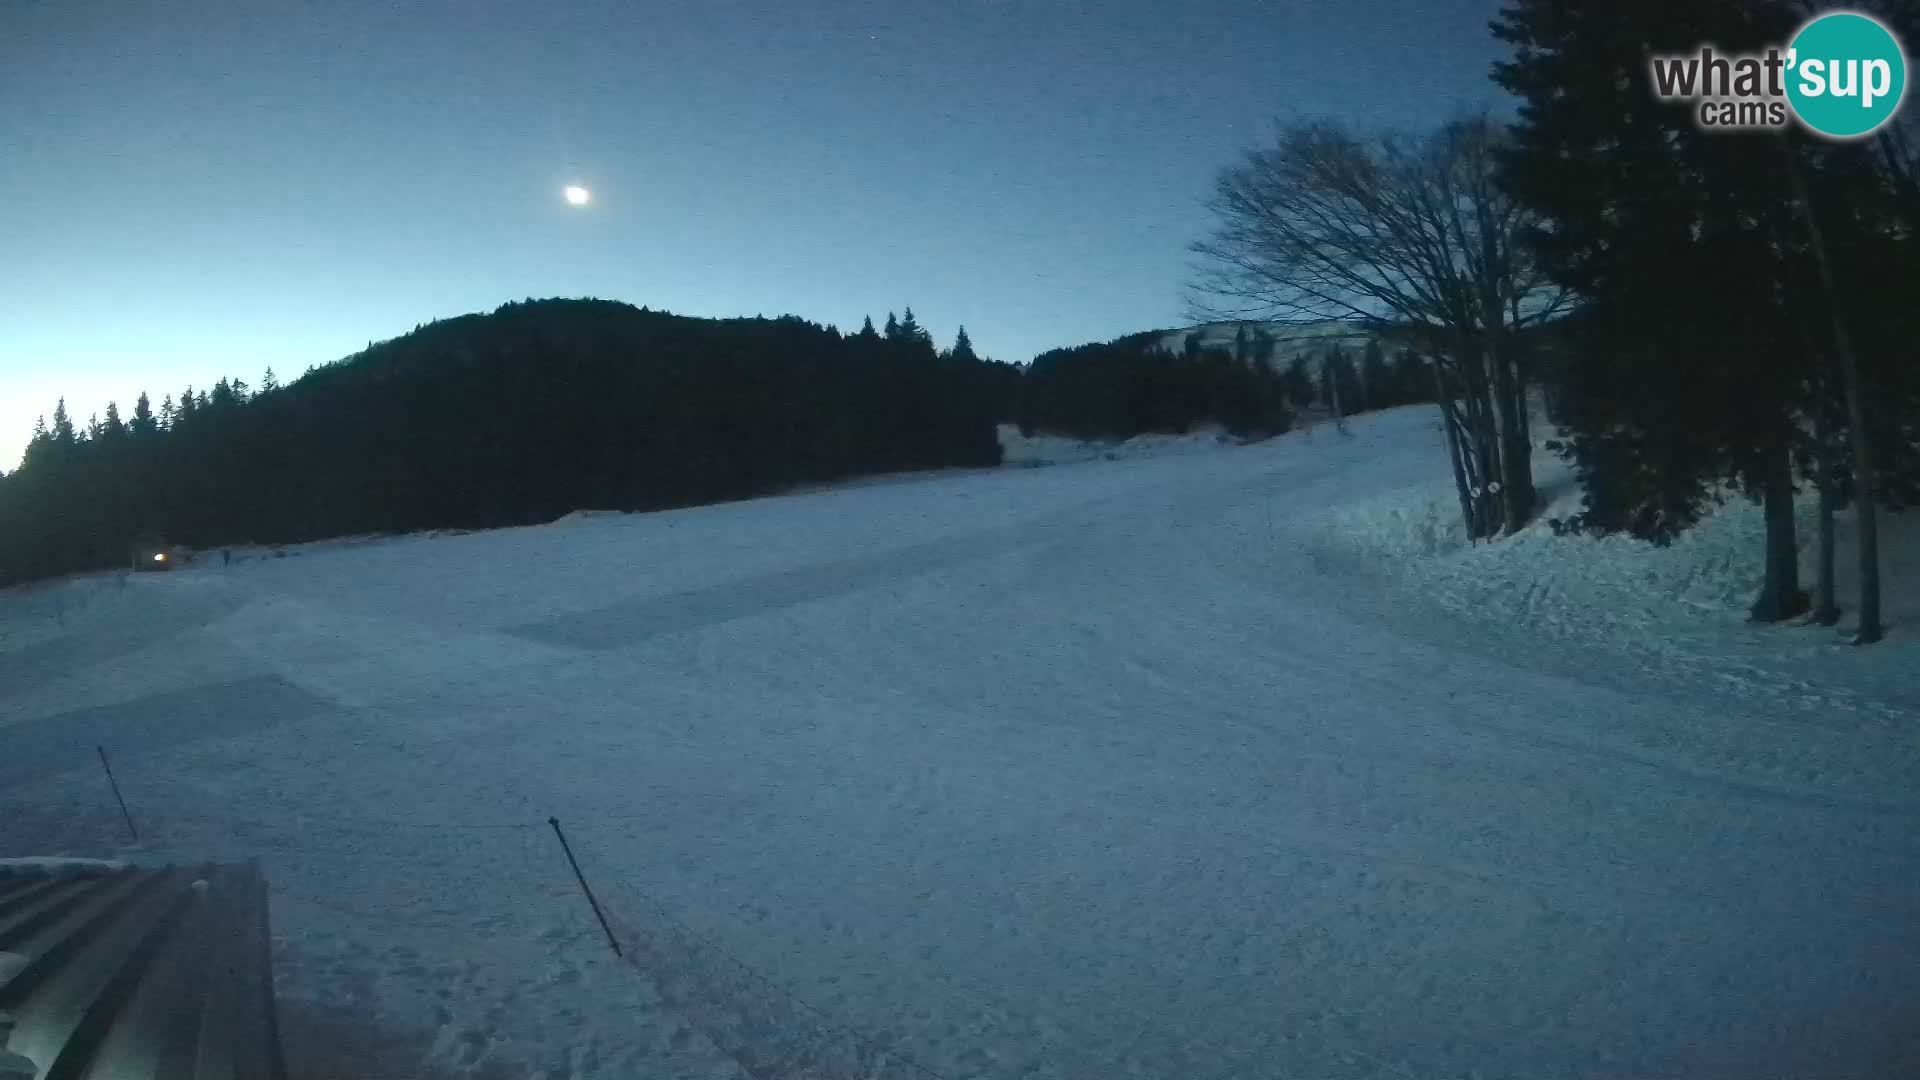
506, 418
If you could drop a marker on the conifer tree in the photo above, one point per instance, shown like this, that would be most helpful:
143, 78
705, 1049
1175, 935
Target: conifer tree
1375, 381
39, 446
1297, 382
1411, 381
1262, 348
142, 425
963, 348
912, 332
1689, 370
63, 433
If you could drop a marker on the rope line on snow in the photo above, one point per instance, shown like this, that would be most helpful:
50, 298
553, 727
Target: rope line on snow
304, 815
430, 826
827, 1030
964, 988
407, 922
828, 1027
826, 1022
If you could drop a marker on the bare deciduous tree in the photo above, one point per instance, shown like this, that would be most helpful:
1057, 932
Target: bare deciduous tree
1407, 236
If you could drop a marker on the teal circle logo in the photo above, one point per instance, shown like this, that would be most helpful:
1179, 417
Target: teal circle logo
1846, 74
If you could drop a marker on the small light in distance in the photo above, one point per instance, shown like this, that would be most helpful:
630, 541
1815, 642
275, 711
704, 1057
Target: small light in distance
577, 195
159, 556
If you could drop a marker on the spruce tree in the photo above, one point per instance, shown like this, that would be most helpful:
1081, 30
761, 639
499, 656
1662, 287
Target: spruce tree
39, 446
1297, 381
912, 332
1330, 364
1411, 381
1375, 380
63, 433
893, 328
1262, 348
1688, 372
963, 349
142, 424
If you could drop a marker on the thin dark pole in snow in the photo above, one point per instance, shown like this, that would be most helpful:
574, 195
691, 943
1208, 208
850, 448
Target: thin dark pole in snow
584, 887
115, 784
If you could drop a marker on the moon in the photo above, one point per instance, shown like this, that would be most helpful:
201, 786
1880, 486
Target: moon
577, 195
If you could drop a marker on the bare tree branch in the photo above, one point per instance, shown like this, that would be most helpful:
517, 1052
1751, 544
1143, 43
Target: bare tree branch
1393, 233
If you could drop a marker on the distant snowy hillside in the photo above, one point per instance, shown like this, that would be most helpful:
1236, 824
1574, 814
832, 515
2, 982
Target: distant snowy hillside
1291, 339
1040, 448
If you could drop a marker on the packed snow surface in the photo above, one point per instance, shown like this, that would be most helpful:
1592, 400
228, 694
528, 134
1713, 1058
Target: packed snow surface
1177, 760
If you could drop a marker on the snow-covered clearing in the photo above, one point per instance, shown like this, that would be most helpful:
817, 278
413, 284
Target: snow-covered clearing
1040, 448
1216, 763
1682, 608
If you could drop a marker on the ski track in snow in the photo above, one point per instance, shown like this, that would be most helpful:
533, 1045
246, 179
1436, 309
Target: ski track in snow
1170, 761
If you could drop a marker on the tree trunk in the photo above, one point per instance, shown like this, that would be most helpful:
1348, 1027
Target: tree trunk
1492, 511
1516, 449
1521, 355
1865, 518
1333, 398
1780, 596
1462, 479
1522, 394
1825, 611
1461, 484
1484, 428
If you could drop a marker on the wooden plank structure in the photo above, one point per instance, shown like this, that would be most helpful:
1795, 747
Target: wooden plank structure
109, 971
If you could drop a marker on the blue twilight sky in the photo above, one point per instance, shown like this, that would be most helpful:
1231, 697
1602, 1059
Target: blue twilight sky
205, 187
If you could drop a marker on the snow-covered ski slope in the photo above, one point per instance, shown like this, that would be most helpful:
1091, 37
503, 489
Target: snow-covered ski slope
1221, 762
